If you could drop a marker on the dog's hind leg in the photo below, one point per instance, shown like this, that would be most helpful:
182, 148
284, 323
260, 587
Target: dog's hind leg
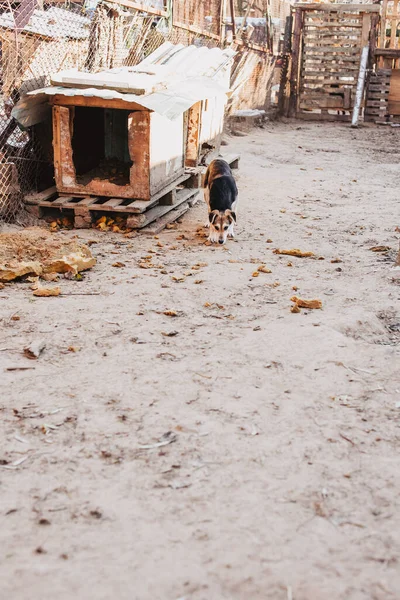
207, 201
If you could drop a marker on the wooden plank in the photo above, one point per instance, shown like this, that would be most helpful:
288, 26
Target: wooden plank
382, 36
160, 224
336, 60
139, 221
307, 73
113, 202
393, 33
295, 68
388, 52
86, 201
394, 93
57, 146
366, 27
81, 204
61, 201
37, 197
338, 7
394, 108
339, 44
308, 116
197, 30
322, 102
139, 151
193, 135
337, 50
93, 101
341, 28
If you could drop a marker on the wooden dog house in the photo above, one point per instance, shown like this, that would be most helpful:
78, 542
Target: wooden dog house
130, 132
114, 148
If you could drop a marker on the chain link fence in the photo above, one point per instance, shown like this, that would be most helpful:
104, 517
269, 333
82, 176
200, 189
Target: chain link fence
37, 39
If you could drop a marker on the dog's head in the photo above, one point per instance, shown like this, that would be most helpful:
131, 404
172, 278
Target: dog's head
220, 223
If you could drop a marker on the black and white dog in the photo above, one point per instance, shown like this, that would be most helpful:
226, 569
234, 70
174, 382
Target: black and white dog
220, 194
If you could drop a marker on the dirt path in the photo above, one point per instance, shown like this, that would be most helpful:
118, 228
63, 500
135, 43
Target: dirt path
282, 476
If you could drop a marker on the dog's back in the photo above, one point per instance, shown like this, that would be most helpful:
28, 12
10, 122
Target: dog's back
217, 168
222, 190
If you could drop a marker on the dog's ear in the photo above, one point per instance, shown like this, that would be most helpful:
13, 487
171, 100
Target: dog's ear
212, 216
232, 215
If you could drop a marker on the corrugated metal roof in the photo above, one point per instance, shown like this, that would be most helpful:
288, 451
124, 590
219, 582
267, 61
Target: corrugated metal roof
168, 64
190, 61
169, 82
54, 23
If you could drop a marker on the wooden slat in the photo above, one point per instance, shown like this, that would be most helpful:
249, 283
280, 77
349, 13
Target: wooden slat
113, 202
86, 201
158, 225
338, 7
141, 220
339, 50
61, 200
393, 33
394, 93
60, 100
40, 196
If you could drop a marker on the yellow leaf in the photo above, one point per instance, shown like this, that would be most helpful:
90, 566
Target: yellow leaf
45, 292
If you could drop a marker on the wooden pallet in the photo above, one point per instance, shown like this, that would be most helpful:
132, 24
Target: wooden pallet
377, 97
163, 208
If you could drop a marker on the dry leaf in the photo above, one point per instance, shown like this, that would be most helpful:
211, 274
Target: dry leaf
255, 274
178, 279
207, 304
294, 252
336, 260
283, 210
44, 292
197, 281
295, 309
170, 313
295, 288
306, 303
290, 264
119, 265
15, 318
169, 333
380, 248
263, 269
269, 241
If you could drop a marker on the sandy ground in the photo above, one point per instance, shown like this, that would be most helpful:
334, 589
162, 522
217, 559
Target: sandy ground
276, 474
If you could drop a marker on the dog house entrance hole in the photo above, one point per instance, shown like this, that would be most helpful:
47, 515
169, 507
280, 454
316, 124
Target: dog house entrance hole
100, 145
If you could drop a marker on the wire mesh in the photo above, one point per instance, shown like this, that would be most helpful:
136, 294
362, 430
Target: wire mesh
38, 39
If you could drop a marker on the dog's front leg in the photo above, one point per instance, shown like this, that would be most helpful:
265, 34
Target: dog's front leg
231, 232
